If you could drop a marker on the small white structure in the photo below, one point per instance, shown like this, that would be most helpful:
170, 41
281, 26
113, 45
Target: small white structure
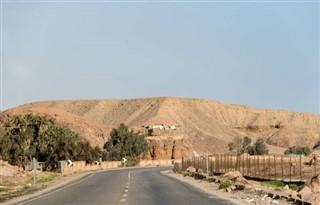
173, 127
148, 129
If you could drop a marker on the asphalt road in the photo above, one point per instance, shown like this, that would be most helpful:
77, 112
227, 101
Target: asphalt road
127, 187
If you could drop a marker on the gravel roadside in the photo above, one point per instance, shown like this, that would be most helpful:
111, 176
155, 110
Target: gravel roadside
254, 194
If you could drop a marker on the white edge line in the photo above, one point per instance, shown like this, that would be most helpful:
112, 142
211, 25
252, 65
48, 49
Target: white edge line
52, 192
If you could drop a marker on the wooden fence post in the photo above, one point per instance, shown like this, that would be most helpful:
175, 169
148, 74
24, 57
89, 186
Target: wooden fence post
275, 168
254, 165
242, 164
220, 164
236, 163
258, 165
249, 165
224, 163
300, 163
282, 167
290, 169
219, 160
295, 165
269, 167
264, 167
227, 164
216, 163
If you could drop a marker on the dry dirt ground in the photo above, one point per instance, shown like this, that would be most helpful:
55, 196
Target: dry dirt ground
18, 183
42, 188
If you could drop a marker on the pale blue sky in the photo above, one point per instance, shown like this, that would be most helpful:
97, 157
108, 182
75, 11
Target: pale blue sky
260, 54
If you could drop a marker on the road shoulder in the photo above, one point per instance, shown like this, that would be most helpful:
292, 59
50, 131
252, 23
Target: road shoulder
254, 196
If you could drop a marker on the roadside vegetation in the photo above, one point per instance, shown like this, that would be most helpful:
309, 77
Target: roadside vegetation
31, 136
294, 187
225, 185
298, 150
280, 184
49, 178
28, 136
125, 143
4, 189
185, 174
273, 184
243, 145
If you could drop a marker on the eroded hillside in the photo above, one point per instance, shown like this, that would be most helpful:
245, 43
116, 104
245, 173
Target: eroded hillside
208, 125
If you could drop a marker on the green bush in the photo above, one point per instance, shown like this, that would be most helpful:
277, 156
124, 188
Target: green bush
294, 187
274, 184
185, 174
28, 136
125, 143
298, 150
48, 178
240, 146
225, 185
3, 189
259, 148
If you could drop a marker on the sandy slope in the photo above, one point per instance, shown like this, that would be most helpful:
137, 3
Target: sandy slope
88, 130
210, 124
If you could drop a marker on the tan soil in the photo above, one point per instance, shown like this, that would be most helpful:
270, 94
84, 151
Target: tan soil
47, 187
253, 194
209, 125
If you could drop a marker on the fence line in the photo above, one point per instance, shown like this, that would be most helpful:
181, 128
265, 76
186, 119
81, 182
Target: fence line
272, 167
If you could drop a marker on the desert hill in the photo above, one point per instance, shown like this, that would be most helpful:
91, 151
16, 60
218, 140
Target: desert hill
208, 125
88, 131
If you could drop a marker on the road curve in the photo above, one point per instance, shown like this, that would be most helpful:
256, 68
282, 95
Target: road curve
127, 187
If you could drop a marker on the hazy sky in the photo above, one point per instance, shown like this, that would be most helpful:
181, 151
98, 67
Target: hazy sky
261, 54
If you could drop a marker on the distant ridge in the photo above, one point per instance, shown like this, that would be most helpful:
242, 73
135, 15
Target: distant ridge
209, 124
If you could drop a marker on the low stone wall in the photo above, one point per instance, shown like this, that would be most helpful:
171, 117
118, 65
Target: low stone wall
146, 163
80, 166
112, 164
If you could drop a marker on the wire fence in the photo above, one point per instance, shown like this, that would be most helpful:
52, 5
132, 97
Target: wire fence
271, 167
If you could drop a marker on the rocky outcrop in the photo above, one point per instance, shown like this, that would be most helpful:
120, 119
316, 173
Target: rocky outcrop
311, 190
168, 147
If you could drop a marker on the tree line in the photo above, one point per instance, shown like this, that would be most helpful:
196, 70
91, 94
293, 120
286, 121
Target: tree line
243, 145
28, 136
